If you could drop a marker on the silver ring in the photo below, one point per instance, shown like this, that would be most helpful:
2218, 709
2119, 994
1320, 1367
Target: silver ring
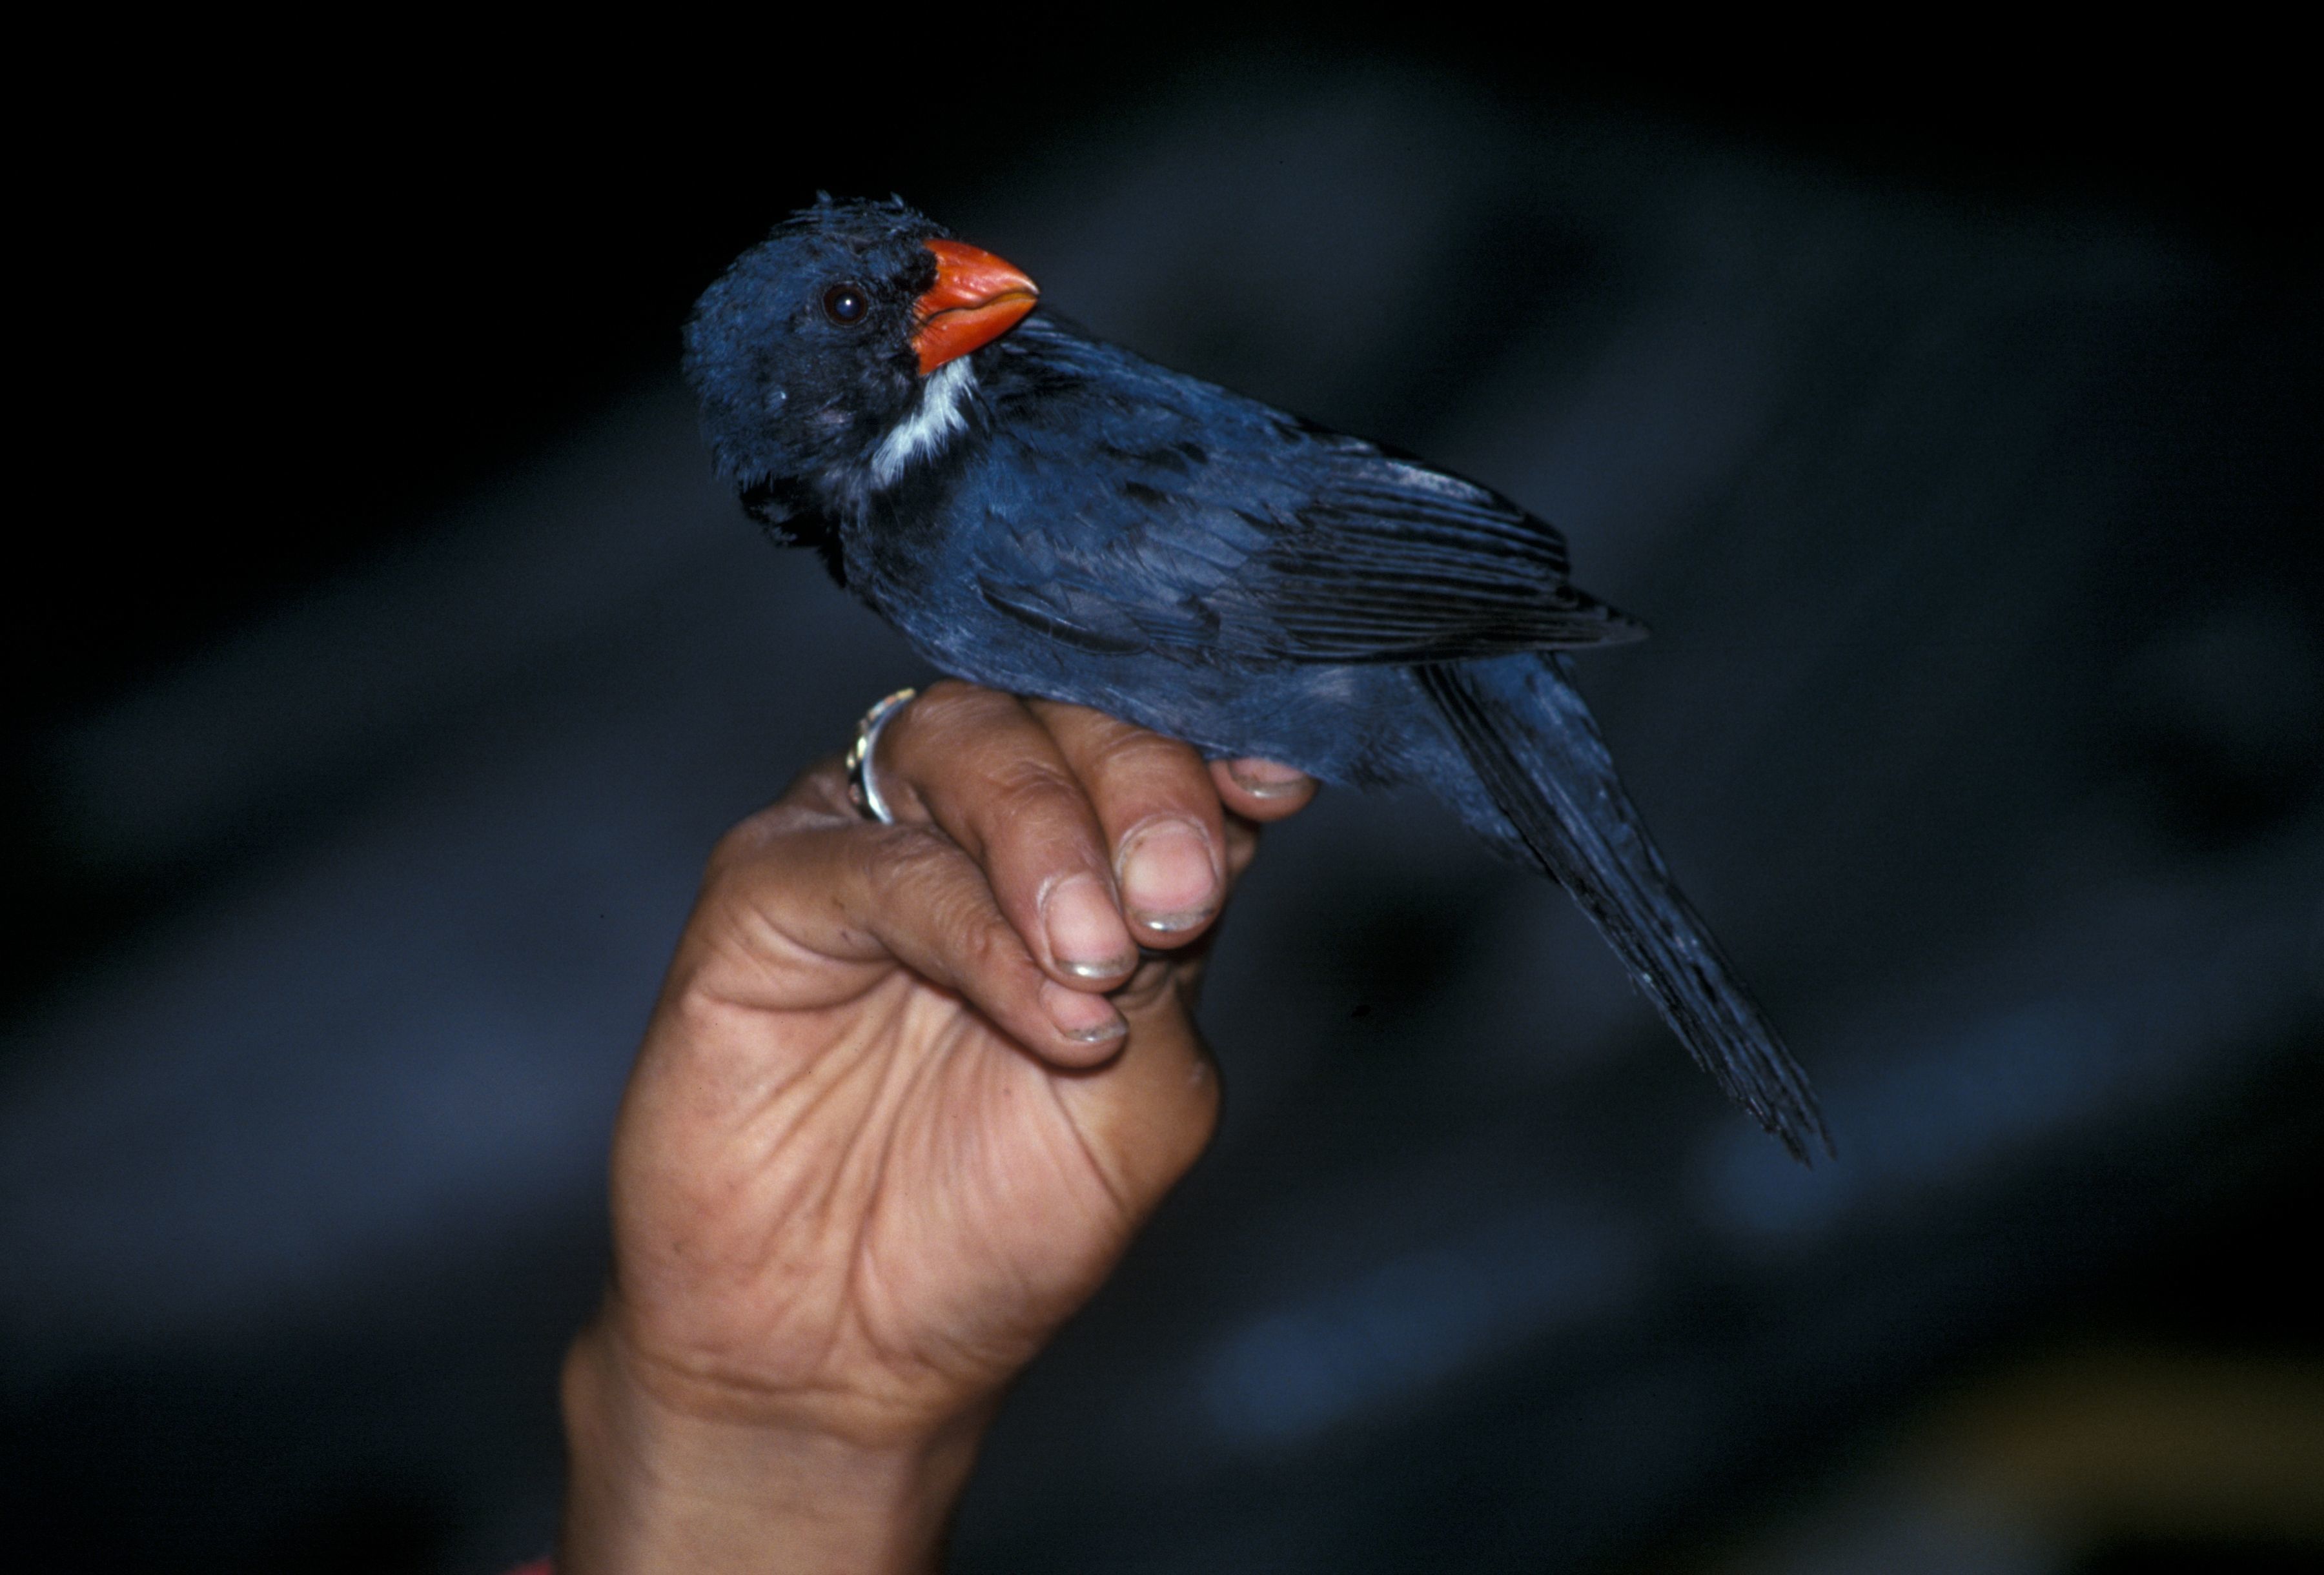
862, 784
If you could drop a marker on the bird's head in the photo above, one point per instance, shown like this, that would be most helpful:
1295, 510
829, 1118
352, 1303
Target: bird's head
830, 337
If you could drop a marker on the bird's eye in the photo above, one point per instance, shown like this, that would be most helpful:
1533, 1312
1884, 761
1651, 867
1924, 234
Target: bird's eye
846, 304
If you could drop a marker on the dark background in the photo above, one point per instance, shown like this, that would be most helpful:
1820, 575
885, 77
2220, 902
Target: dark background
386, 660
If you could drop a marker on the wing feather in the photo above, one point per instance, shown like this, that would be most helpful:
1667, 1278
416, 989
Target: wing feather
1224, 530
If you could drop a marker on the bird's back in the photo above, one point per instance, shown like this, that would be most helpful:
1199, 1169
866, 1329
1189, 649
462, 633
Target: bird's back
1120, 508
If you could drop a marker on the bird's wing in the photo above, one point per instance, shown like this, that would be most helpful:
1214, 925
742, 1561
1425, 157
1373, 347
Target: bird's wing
1173, 515
1380, 558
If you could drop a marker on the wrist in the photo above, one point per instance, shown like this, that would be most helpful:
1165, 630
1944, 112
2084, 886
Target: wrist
657, 1484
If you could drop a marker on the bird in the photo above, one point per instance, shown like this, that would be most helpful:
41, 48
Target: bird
1042, 511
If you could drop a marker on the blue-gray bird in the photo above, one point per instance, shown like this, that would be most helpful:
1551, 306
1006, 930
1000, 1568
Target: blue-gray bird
1043, 513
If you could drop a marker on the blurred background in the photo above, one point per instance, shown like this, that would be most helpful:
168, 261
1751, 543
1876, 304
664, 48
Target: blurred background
386, 661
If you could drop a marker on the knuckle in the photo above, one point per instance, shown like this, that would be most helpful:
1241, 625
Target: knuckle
928, 739
946, 705
741, 844
947, 692
907, 854
816, 783
1096, 736
758, 859
1138, 753
816, 799
1031, 787
726, 894
977, 938
1066, 716
756, 835
981, 939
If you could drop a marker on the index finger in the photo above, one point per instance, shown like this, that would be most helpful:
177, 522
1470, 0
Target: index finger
802, 910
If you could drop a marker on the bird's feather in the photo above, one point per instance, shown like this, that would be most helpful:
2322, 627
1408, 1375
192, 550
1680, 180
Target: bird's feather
1539, 753
1223, 527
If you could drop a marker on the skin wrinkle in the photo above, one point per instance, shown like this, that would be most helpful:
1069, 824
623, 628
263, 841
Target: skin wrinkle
843, 1067
859, 1257
743, 956
1025, 787
926, 1141
1114, 1189
988, 725
695, 1377
982, 925
819, 1076
835, 1198
822, 1402
821, 1090
972, 1354
980, 948
1063, 1173
1036, 790
841, 1062
716, 1012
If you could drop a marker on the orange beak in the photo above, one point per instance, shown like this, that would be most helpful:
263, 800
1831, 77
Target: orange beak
975, 299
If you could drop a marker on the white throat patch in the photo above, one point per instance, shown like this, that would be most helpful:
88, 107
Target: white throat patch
926, 429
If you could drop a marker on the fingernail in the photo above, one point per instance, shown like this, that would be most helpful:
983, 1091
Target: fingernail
1169, 881
1266, 779
1085, 933
1085, 1020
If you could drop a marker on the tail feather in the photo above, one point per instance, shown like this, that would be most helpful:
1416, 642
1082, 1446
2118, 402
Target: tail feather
1537, 751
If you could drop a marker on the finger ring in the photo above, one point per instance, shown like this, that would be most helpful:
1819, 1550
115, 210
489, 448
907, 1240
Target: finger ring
863, 786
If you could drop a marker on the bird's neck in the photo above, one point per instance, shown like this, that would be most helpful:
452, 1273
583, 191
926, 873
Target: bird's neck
891, 505
873, 476
939, 418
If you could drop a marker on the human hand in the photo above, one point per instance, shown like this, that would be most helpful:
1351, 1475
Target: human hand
908, 1094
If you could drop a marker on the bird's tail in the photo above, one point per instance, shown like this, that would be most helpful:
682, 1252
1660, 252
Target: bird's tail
1537, 750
